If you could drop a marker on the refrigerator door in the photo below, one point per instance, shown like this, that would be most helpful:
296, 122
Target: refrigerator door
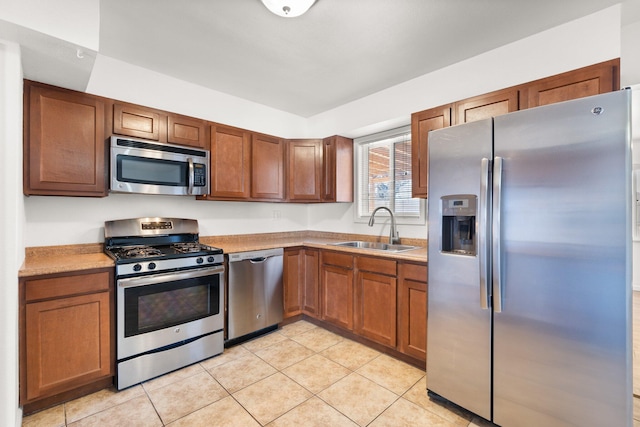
459, 320
562, 334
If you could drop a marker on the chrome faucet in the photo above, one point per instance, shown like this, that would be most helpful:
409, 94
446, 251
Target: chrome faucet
394, 238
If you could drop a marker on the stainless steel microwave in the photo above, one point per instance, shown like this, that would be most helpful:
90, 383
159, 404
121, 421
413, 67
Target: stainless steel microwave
147, 167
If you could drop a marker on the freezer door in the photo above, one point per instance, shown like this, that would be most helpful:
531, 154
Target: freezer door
459, 320
562, 333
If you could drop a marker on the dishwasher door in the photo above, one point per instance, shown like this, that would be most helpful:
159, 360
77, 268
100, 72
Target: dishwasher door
255, 291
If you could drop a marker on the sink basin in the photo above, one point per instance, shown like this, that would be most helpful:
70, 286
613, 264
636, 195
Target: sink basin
375, 245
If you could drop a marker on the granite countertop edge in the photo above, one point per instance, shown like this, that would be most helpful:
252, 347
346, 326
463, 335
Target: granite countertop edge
44, 260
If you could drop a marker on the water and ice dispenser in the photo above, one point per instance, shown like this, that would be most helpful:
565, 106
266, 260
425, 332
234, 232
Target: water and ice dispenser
459, 224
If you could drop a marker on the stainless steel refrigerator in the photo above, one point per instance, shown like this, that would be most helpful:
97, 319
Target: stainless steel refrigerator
529, 303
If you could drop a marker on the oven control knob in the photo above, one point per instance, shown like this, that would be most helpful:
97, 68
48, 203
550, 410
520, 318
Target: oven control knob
210, 259
199, 260
137, 267
152, 266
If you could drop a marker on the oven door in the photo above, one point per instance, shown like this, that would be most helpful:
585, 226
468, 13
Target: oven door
161, 310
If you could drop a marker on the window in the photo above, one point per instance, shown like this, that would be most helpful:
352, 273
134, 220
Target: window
383, 176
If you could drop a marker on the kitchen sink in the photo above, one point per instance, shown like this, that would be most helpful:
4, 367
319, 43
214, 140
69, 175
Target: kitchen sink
375, 245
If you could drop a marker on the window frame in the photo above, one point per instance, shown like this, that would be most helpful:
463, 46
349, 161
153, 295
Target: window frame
360, 146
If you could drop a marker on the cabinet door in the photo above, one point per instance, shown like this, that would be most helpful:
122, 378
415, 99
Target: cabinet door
186, 131
293, 281
267, 167
68, 343
587, 81
336, 282
64, 143
421, 124
304, 169
230, 162
311, 294
412, 310
486, 106
136, 121
337, 179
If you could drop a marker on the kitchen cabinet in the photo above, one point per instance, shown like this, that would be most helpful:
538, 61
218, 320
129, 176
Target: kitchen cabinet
487, 106
593, 80
375, 299
421, 124
148, 123
336, 288
267, 167
64, 142
412, 309
230, 162
304, 169
337, 185
301, 274
66, 336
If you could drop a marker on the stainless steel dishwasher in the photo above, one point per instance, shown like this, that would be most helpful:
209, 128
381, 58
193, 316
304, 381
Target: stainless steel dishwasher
255, 291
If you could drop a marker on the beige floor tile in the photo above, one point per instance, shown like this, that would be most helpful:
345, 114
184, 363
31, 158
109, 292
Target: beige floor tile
350, 354
271, 397
174, 376
229, 354
264, 341
391, 373
406, 414
284, 353
636, 408
185, 396
418, 395
137, 412
297, 328
313, 413
358, 398
52, 417
225, 412
239, 373
316, 373
99, 401
317, 339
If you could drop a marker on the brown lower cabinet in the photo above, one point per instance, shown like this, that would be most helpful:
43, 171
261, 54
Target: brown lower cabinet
412, 309
66, 336
380, 299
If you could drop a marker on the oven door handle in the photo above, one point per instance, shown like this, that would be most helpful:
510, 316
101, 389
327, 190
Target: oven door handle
169, 277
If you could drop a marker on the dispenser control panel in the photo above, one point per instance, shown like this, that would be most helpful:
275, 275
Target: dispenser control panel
459, 213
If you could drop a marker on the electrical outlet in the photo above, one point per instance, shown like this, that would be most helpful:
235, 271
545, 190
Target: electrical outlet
277, 215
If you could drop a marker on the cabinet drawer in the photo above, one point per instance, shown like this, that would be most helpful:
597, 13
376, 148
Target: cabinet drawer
55, 287
376, 265
414, 272
339, 259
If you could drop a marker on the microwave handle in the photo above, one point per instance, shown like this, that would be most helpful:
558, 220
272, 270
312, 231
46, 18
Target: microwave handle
191, 176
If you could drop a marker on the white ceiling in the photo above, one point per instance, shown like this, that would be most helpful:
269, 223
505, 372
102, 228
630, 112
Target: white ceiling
339, 51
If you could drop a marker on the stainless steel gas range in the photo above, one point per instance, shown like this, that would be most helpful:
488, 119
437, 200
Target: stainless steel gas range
169, 296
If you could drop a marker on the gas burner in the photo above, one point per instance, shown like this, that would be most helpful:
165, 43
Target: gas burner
187, 248
141, 251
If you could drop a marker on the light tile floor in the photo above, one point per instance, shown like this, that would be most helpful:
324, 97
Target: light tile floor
300, 375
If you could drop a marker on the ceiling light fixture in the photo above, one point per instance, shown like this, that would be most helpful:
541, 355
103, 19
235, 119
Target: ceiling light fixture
288, 8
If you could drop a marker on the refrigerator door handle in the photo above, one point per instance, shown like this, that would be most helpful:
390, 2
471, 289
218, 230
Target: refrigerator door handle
484, 249
497, 204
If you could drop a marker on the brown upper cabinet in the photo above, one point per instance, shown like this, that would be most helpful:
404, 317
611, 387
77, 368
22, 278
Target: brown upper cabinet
485, 106
599, 78
267, 167
337, 154
64, 142
230, 162
421, 124
592, 80
304, 170
142, 122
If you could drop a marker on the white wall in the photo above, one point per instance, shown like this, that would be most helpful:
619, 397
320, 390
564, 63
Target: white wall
11, 227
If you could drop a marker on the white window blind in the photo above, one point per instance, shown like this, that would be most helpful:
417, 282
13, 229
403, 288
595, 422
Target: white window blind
383, 176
